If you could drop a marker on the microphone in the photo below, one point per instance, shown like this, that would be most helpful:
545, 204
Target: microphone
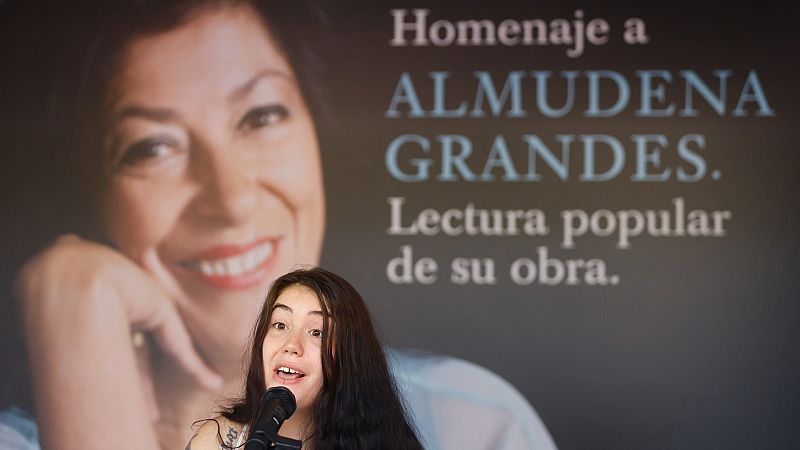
277, 405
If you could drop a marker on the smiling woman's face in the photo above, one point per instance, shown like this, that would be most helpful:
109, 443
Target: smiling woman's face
215, 183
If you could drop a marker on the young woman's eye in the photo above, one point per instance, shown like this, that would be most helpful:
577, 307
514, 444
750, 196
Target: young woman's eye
315, 333
147, 150
263, 116
280, 326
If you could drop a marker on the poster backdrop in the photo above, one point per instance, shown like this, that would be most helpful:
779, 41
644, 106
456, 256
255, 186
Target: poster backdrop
602, 210
596, 202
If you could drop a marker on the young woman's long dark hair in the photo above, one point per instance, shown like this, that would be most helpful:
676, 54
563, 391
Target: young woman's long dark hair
358, 406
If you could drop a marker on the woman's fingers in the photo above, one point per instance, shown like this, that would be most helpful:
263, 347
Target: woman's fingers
173, 339
83, 363
142, 350
78, 270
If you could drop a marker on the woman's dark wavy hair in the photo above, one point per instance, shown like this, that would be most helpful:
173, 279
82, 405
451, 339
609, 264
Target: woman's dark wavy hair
358, 406
58, 57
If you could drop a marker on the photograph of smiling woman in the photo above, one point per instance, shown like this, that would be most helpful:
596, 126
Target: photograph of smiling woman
179, 215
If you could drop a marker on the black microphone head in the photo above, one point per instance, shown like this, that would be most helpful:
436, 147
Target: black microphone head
284, 397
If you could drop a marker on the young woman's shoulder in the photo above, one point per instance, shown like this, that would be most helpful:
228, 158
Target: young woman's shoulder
215, 434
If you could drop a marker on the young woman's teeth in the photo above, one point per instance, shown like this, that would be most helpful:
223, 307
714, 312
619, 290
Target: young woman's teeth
233, 265
289, 373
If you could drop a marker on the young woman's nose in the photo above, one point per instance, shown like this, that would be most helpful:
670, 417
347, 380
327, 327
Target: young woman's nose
293, 344
227, 187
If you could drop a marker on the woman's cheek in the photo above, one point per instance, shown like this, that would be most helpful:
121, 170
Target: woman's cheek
140, 214
300, 180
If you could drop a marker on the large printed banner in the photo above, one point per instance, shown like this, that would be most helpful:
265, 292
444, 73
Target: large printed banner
596, 203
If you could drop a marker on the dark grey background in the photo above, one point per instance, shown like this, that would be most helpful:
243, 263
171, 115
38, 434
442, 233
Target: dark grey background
695, 348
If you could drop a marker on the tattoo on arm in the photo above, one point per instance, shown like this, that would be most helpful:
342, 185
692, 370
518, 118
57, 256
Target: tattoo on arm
231, 437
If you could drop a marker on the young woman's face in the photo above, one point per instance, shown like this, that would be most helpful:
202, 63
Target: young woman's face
215, 182
293, 343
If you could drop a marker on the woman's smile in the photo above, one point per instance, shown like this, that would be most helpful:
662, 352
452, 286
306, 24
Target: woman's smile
234, 266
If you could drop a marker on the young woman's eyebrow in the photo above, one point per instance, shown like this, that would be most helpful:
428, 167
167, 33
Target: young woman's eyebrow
281, 306
288, 309
242, 91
